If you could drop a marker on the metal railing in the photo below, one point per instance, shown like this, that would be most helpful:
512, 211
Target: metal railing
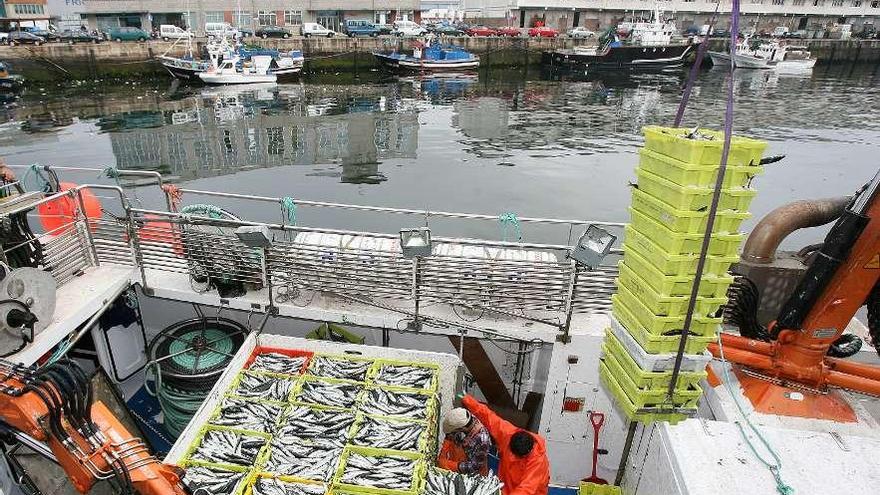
534, 281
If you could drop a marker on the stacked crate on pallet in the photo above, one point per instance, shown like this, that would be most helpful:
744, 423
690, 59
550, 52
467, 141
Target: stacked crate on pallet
677, 173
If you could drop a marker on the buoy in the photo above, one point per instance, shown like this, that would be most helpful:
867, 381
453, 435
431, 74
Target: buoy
57, 215
156, 230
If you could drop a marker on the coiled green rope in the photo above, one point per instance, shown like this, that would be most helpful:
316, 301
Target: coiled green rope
509, 222
288, 208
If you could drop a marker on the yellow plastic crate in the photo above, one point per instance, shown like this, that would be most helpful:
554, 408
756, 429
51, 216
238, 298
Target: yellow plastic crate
418, 472
597, 489
243, 486
693, 198
681, 243
642, 398
660, 304
726, 221
671, 141
673, 264
654, 343
284, 479
629, 409
676, 285
633, 311
189, 460
647, 379
689, 174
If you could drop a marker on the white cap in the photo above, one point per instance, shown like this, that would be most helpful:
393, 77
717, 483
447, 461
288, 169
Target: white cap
455, 419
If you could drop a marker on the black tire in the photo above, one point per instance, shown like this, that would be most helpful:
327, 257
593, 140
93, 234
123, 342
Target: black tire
329, 35
307, 35
38, 43
265, 35
373, 35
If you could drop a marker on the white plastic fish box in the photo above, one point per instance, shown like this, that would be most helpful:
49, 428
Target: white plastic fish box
449, 377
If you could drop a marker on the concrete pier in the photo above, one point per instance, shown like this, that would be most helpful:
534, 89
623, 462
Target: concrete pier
53, 62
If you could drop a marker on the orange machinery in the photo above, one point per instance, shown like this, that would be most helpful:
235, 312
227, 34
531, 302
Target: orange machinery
837, 283
53, 404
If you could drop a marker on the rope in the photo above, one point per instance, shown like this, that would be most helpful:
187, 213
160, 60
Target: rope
34, 170
288, 209
509, 221
111, 173
776, 466
175, 196
178, 406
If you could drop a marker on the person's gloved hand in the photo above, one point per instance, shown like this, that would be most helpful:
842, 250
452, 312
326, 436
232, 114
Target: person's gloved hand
459, 396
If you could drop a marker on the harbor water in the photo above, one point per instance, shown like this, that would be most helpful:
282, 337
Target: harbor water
492, 143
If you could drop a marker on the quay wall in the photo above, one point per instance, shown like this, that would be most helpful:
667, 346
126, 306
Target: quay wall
56, 61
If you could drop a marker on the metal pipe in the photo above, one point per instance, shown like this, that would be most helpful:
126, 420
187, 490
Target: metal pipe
765, 238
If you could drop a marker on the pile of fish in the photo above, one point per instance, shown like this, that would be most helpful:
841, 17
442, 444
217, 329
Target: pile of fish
329, 367
389, 403
306, 422
279, 363
248, 415
296, 456
341, 395
212, 481
227, 447
263, 387
273, 486
440, 482
392, 472
405, 376
384, 434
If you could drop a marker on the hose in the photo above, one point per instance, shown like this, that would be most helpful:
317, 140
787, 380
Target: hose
873, 304
178, 406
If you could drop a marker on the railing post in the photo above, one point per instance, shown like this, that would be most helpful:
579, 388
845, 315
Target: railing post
81, 215
135, 244
569, 304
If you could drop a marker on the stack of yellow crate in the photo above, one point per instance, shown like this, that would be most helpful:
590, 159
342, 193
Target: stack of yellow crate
669, 214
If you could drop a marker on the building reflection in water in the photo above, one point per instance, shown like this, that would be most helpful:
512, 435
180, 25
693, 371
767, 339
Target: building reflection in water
230, 130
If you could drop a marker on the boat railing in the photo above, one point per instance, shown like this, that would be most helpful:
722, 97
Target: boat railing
509, 279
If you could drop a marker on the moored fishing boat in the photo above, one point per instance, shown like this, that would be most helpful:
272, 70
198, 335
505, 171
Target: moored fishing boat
434, 57
9, 82
236, 71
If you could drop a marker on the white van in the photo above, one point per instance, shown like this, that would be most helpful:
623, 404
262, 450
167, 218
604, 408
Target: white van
221, 29
408, 28
169, 32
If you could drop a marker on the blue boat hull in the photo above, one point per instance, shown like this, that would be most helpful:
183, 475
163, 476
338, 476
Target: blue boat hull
407, 63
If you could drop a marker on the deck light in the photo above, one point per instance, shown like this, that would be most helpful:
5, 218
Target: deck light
256, 236
415, 243
594, 244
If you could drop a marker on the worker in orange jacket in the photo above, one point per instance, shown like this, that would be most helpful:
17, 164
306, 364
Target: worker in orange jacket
466, 446
523, 468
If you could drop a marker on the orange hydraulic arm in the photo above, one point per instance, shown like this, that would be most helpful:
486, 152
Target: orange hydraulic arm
99, 448
835, 286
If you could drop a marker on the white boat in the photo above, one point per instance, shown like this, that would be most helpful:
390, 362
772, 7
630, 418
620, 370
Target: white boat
796, 59
236, 71
751, 56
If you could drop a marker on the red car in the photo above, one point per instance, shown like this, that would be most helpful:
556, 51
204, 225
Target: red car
508, 31
481, 31
543, 32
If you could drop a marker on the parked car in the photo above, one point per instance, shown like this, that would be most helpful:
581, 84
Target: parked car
720, 33
315, 29
408, 28
272, 32
543, 32
360, 28
171, 32
78, 36
43, 33
221, 30
384, 28
481, 31
581, 32
510, 31
129, 34
448, 30
244, 32
25, 38
4, 37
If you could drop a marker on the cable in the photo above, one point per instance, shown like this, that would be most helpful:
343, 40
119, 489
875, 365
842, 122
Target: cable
776, 467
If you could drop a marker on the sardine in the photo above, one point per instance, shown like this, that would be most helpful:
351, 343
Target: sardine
390, 472
300, 457
405, 376
389, 435
248, 415
273, 486
228, 447
341, 395
278, 363
263, 387
389, 403
439, 482
329, 367
212, 481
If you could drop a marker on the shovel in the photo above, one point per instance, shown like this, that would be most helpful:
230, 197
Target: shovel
597, 419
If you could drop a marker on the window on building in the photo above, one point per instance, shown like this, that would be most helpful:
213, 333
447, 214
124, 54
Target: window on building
687, 1
405, 15
875, 4
856, 3
837, 3
214, 16
757, 2
293, 17
818, 3
242, 19
382, 17
778, 2
28, 9
266, 17
799, 3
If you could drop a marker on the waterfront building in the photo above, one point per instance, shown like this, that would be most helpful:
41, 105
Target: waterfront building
812, 17
250, 14
14, 13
